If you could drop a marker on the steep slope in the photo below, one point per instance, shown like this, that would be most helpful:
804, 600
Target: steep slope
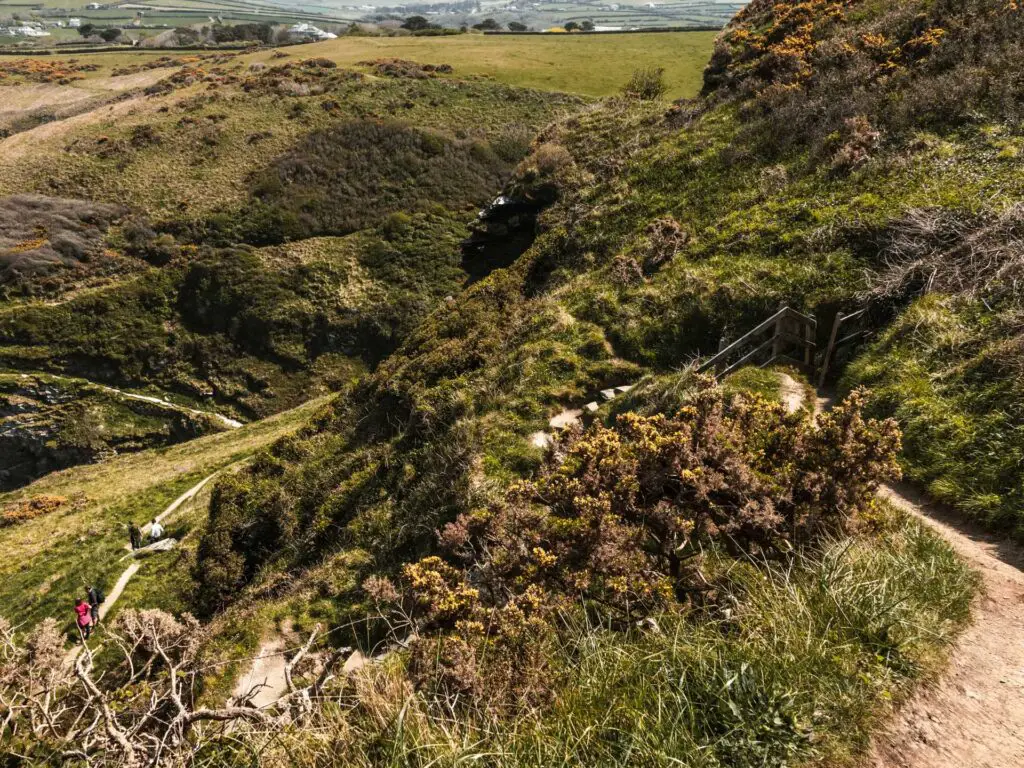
703, 565
671, 229
667, 230
69, 528
288, 224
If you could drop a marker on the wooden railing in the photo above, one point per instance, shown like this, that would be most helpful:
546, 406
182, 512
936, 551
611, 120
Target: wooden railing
785, 332
845, 330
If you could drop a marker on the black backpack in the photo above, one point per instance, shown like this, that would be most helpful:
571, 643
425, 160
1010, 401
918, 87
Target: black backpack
100, 597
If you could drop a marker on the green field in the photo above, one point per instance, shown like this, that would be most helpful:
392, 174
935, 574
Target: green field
593, 65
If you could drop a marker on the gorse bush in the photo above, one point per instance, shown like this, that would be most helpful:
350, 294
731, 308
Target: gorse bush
900, 66
646, 84
622, 524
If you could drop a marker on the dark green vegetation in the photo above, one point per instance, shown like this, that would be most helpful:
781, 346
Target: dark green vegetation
258, 268
699, 565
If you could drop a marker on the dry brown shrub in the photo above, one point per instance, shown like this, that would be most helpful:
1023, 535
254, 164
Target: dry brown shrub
627, 271
407, 69
859, 140
28, 509
665, 238
550, 158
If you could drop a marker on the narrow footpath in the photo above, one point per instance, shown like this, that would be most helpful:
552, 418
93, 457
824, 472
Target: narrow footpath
133, 567
973, 717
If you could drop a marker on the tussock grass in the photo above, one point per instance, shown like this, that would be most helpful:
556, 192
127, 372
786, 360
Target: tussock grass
805, 662
949, 370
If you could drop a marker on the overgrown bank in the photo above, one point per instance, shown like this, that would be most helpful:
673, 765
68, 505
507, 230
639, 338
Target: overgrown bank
724, 563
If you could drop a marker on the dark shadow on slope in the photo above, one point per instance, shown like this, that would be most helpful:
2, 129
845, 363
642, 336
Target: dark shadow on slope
504, 230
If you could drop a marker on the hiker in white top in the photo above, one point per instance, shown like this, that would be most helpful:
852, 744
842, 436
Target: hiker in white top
155, 530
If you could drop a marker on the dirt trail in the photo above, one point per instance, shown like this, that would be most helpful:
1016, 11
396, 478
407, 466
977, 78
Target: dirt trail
115, 593
792, 393
225, 420
135, 565
267, 671
973, 717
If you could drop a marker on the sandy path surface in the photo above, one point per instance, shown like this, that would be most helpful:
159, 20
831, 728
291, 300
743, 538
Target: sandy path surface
791, 392
115, 593
267, 671
974, 716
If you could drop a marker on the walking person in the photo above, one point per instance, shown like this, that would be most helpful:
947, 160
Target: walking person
156, 531
96, 598
84, 617
135, 535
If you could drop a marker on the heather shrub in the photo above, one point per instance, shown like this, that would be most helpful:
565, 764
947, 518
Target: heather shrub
46, 243
348, 177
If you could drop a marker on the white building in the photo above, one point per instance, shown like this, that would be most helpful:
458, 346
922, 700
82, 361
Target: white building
29, 30
308, 30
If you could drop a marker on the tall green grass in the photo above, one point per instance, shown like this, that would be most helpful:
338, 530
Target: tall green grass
948, 370
794, 666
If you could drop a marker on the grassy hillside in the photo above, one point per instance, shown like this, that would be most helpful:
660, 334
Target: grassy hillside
52, 422
694, 561
288, 224
75, 530
671, 227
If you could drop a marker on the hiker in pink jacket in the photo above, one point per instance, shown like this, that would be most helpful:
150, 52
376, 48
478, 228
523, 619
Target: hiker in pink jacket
84, 614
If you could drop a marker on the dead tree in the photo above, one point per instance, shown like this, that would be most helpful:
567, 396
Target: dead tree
140, 711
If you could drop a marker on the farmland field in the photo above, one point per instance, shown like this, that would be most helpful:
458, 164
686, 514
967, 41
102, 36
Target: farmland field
591, 65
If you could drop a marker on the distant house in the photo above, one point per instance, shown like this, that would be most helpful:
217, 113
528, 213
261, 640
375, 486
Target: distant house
310, 32
74, 23
29, 30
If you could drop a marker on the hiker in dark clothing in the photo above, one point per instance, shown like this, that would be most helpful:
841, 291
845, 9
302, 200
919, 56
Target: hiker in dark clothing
96, 597
135, 535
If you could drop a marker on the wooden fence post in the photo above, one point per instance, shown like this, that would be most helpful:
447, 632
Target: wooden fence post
830, 349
